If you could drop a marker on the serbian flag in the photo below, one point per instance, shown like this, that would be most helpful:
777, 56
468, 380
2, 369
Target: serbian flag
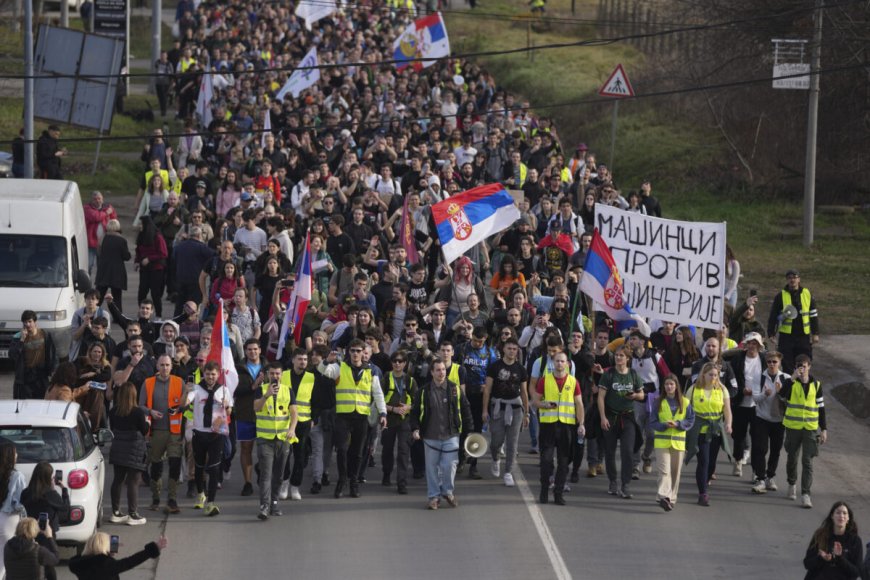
602, 282
424, 38
221, 352
470, 217
407, 235
299, 300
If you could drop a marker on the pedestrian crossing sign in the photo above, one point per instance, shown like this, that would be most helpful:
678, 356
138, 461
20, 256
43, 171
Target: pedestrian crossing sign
617, 84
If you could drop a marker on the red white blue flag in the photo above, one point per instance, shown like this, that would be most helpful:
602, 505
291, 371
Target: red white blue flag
424, 38
299, 300
222, 353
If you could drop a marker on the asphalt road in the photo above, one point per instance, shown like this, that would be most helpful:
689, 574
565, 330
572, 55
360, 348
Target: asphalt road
501, 533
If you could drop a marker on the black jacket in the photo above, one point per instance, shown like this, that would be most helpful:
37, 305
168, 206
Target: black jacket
111, 272
128, 446
25, 559
737, 362
845, 567
32, 383
104, 567
52, 503
460, 417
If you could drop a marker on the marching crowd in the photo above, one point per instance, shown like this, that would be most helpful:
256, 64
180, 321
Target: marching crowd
399, 351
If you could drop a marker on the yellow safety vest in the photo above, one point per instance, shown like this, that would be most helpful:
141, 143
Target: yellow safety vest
670, 438
273, 420
801, 410
197, 377
453, 375
710, 408
523, 171
163, 174
185, 63
352, 396
458, 405
565, 412
804, 313
391, 391
303, 395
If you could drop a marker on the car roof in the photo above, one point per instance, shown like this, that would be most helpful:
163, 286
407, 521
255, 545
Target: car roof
38, 413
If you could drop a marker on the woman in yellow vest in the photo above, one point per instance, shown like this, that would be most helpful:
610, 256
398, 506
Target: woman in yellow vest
673, 417
710, 400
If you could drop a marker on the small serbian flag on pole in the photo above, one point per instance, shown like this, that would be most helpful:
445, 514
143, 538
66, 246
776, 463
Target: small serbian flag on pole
299, 300
470, 217
602, 282
424, 38
221, 352
407, 235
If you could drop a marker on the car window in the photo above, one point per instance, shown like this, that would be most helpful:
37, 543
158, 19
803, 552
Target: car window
34, 444
83, 432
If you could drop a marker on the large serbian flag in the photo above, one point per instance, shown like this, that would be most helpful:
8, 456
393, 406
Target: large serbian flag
602, 282
472, 216
221, 352
424, 38
300, 298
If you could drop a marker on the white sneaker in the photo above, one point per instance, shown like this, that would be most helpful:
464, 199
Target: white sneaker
759, 487
501, 452
508, 480
118, 518
495, 468
285, 489
770, 484
746, 457
792, 491
294, 493
806, 501
738, 469
135, 519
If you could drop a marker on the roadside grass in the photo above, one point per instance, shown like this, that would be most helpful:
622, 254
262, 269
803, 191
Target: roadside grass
687, 161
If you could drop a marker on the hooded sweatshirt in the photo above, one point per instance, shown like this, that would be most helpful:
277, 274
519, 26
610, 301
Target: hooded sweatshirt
163, 347
25, 558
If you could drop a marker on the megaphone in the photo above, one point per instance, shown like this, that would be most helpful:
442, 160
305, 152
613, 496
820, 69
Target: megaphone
476, 445
788, 313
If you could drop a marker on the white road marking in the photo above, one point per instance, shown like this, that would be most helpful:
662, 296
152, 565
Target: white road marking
556, 560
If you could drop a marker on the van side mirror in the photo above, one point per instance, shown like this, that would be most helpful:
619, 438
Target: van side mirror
104, 436
82, 281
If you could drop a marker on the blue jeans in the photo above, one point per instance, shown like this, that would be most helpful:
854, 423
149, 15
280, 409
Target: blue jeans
442, 457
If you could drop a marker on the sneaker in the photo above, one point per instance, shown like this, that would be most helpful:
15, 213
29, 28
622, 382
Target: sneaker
600, 469
135, 519
792, 491
592, 472
324, 481
805, 501
746, 457
295, 495
285, 489
172, 507
738, 469
565, 487
495, 468
155, 505
453, 502
200, 502
558, 499
433, 503
759, 487
403, 489
613, 489
247, 489
263, 514
315, 488
386, 481
770, 484
534, 450
354, 490
635, 474
665, 504
473, 473
275, 510
647, 465
212, 509
625, 493
703, 499
508, 480
118, 518
575, 477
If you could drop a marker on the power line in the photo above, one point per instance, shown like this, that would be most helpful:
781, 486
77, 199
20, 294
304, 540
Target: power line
590, 101
525, 49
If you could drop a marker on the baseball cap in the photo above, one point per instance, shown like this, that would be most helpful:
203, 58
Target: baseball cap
792, 272
582, 147
246, 196
753, 336
201, 184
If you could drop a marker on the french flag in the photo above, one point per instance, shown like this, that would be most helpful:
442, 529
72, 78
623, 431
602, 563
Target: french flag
222, 353
299, 299
602, 282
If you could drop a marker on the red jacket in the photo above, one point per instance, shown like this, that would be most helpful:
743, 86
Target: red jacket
156, 253
94, 218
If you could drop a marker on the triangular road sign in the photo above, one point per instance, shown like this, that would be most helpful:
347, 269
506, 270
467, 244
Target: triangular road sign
617, 85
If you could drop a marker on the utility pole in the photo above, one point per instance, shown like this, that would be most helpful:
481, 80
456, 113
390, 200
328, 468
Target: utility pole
812, 128
28, 89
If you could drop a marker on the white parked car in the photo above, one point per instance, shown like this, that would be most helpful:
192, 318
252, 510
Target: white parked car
58, 432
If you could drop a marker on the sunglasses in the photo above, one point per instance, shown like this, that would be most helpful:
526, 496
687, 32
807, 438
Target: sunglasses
399, 360
356, 350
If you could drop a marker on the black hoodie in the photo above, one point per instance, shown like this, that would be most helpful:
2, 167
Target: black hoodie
25, 558
105, 567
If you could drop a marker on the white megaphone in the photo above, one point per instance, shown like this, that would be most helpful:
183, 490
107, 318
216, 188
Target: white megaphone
476, 445
789, 312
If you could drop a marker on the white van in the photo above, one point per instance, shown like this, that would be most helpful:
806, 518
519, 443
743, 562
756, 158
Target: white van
43, 250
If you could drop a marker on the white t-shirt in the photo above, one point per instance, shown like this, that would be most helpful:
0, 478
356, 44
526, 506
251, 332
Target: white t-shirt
751, 376
222, 402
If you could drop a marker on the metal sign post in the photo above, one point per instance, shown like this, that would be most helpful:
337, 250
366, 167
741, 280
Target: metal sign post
618, 87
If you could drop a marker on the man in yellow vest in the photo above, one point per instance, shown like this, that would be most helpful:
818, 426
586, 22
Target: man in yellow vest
191, 381
356, 387
805, 426
304, 385
796, 336
399, 389
560, 407
277, 418
161, 398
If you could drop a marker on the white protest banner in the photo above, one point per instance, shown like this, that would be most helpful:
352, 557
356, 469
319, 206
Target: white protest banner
303, 77
672, 270
311, 11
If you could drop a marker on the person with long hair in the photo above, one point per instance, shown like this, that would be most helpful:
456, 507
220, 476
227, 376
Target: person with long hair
152, 200
151, 255
683, 353
622, 387
41, 496
127, 456
673, 416
456, 286
224, 287
732, 276
12, 484
229, 194
507, 276
97, 563
31, 553
710, 399
93, 367
62, 386
836, 550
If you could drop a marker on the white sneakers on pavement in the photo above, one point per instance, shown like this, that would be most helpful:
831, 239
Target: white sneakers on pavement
295, 495
770, 484
495, 468
285, 489
792, 491
806, 501
509, 480
759, 486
